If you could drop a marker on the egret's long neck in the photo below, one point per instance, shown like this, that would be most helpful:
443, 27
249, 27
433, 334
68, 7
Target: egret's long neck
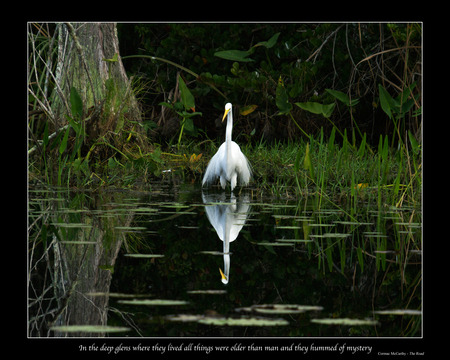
229, 126
226, 257
228, 133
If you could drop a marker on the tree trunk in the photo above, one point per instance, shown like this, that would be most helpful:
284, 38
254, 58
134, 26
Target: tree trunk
89, 62
84, 271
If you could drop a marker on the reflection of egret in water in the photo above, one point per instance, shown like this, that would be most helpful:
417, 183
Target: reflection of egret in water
227, 218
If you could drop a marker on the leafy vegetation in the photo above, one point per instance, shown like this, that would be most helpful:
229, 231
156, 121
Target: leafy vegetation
341, 72
337, 90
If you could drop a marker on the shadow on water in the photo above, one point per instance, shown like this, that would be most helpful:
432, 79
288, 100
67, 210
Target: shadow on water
158, 263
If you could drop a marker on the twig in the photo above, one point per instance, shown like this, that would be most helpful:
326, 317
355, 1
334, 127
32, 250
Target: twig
94, 114
36, 54
386, 51
348, 47
40, 142
316, 53
178, 66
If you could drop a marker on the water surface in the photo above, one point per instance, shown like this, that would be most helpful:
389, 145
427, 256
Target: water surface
178, 261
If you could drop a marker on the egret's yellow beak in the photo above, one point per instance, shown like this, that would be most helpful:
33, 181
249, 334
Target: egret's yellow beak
222, 274
225, 115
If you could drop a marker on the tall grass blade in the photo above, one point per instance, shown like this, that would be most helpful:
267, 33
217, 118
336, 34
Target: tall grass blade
307, 164
45, 136
413, 142
63, 145
362, 147
331, 140
76, 103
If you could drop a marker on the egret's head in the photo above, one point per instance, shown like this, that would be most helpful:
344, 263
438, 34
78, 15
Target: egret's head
224, 277
227, 110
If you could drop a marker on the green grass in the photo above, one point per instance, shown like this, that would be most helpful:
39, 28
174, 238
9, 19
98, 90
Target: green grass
340, 173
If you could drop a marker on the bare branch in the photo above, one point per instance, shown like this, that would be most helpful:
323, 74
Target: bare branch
316, 53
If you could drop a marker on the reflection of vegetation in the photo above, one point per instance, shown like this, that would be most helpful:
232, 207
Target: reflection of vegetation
89, 329
347, 276
375, 266
72, 252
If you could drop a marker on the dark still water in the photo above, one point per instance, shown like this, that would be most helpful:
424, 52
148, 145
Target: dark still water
178, 261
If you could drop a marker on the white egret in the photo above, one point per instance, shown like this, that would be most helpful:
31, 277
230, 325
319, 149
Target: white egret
228, 162
227, 219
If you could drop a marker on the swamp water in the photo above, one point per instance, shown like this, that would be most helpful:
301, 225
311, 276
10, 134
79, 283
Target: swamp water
179, 261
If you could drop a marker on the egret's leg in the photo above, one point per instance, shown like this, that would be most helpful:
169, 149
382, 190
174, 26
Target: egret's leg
233, 181
223, 182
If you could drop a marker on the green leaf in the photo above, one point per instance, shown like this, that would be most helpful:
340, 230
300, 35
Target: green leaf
115, 58
166, 104
317, 108
269, 43
413, 142
247, 110
107, 268
234, 55
362, 146
307, 164
282, 99
63, 145
327, 110
406, 93
386, 101
76, 103
189, 125
74, 124
405, 104
186, 96
187, 115
342, 97
243, 56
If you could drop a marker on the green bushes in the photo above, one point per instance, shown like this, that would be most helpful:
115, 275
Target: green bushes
339, 90
339, 174
338, 75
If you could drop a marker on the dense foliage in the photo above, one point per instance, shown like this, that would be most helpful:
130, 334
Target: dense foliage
356, 84
361, 77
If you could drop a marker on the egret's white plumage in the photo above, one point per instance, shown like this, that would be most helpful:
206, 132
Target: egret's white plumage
229, 162
227, 216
